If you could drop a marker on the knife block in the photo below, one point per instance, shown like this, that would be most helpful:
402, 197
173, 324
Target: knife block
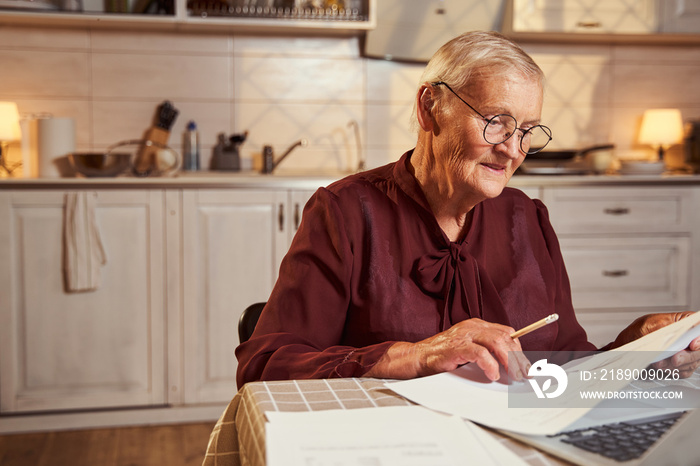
147, 157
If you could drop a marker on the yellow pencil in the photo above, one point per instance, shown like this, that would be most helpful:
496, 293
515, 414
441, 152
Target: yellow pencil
534, 326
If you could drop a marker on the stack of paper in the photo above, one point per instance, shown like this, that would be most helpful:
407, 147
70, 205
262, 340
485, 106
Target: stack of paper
388, 436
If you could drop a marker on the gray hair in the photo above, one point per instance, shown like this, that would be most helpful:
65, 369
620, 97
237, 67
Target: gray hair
475, 55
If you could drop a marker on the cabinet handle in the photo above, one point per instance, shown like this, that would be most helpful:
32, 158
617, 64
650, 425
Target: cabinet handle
615, 273
589, 24
297, 216
617, 211
280, 216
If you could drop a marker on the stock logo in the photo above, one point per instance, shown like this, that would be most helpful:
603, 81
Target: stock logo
544, 370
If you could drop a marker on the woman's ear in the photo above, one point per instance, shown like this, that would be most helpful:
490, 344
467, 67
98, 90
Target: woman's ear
424, 107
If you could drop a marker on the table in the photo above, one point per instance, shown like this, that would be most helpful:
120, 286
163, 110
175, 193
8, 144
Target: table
238, 438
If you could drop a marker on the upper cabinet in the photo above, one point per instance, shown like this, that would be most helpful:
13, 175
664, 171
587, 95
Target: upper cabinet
414, 29
610, 20
585, 16
342, 17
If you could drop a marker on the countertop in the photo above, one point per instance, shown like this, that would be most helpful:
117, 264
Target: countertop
206, 179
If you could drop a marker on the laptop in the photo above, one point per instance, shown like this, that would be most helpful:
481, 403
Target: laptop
668, 438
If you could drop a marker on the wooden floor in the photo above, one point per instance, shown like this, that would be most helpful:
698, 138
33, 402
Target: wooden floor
171, 445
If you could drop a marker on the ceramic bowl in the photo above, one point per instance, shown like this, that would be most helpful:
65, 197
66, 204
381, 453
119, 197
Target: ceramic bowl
642, 167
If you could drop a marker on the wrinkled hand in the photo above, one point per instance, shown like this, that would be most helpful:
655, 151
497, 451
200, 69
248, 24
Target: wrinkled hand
686, 361
473, 340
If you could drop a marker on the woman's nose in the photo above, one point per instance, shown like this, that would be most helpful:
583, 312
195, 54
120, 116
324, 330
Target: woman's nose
510, 147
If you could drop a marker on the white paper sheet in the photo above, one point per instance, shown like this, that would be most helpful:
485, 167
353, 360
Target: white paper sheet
388, 436
682, 343
466, 392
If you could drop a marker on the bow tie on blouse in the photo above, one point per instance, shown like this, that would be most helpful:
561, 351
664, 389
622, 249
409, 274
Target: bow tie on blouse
452, 274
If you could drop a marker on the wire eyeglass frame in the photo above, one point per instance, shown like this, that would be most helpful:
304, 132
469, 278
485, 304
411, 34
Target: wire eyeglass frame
502, 120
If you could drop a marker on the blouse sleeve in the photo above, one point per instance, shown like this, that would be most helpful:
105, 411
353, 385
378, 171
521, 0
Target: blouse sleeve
300, 330
571, 336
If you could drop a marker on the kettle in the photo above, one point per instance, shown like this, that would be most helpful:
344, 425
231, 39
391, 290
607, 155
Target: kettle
692, 145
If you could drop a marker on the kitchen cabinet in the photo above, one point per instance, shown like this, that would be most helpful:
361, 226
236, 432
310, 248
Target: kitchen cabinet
260, 16
233, 244
80, 350
642, 21
628, 252
412, 30
584, 16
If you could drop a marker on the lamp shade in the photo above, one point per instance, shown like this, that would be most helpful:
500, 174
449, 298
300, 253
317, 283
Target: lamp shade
9, 122
661, 127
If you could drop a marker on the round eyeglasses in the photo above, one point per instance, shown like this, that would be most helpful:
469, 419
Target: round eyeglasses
501, 127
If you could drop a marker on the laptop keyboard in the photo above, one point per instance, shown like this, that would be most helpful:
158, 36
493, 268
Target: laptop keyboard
622, 441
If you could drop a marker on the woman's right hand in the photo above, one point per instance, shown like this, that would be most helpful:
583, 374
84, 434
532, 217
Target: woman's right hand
472, 340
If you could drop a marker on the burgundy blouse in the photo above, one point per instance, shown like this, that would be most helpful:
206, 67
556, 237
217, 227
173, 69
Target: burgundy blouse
370, 266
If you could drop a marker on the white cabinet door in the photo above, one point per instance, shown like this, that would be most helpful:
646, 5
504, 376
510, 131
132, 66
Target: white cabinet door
64, 350
233, 242
297, 201
585, 16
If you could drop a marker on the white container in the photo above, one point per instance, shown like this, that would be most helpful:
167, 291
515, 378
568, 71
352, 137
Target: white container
602, 160
48, 142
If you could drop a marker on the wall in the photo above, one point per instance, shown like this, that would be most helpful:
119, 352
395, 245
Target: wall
281, 89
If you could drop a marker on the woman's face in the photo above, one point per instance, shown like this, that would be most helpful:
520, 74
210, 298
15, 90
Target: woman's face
471, 164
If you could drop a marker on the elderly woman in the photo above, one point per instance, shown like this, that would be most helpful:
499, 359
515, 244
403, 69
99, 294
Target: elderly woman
430, 262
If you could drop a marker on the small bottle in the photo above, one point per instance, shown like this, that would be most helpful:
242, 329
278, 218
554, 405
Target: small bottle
190, 148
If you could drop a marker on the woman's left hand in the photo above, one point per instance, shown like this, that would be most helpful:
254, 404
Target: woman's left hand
685, 361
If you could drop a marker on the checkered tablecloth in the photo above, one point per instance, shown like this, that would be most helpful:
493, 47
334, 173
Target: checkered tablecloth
239, 436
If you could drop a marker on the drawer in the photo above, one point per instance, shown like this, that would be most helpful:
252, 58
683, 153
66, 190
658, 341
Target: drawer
628, 272
618, 210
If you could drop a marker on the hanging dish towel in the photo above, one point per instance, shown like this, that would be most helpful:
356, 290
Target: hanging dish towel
83, 253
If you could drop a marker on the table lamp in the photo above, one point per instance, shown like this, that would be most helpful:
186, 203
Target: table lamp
9, 131
661, 128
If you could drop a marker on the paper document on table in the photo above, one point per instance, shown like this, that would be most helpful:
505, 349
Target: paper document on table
387, 436
466, 392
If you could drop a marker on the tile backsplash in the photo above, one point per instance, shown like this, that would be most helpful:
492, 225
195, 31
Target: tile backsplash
282, 89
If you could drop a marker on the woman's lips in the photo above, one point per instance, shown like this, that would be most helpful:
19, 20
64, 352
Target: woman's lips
495, 166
